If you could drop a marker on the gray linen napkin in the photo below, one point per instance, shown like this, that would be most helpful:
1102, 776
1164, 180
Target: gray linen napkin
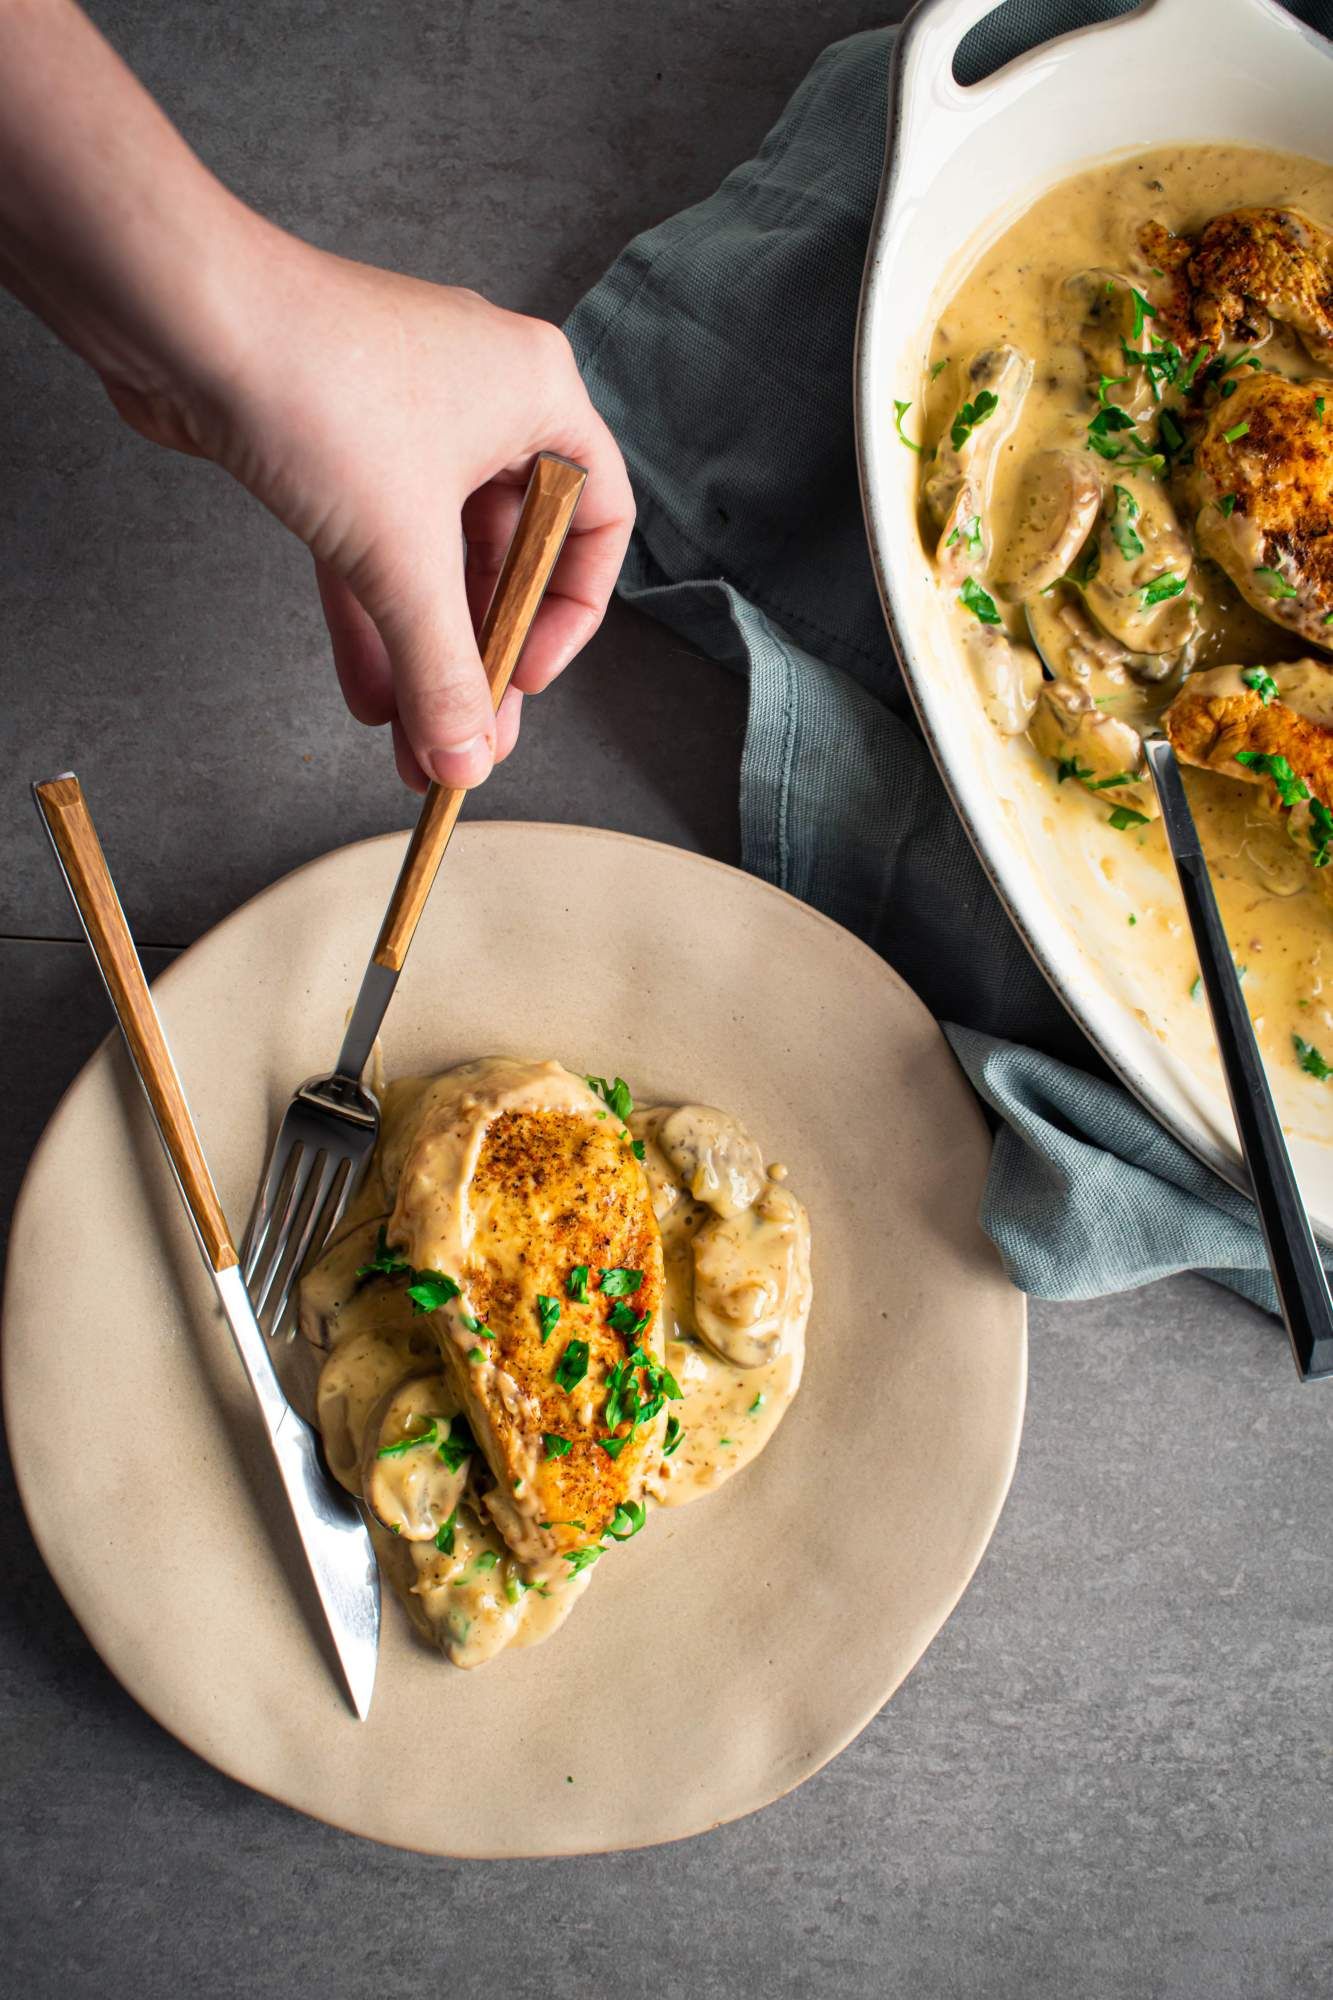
719, 348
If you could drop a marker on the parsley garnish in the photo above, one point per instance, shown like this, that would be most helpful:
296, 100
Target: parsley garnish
444, 1537
976, 412
757, 1404
1236, 431
1069, 767
556, 1446
899, 412
939, 367
427, 1436
971, 530
1319, 406
459, 1444
1162, 587
627, 1520
548, 1312
572, 1366
674, 1434
385, 1261
620, 1284
1105, 382
1262, 683
1277, 583
1226, 505
1142, 311
1186, 379
476, 1354
978, 601
623, 1319
487, 1559
613, 1446
1123, 513
430, 1290
576, 1285
1311, 1061
1321, 832
615, 1095
1290, 789
581, 1558
476, 1326
1124, 817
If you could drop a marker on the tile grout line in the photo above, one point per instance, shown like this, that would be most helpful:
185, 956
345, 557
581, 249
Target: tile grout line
39, 937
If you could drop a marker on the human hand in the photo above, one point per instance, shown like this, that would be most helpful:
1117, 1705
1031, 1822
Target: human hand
387, 422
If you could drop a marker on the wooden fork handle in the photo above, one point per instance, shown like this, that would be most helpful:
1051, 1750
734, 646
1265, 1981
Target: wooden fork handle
74, 837
548, 508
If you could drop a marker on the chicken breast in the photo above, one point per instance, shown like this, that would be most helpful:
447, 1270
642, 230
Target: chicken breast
514, 1184
1282, 711
1262, 483
955, 489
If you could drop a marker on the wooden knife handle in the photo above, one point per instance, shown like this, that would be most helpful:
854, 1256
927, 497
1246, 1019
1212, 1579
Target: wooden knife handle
69, 822
548, 508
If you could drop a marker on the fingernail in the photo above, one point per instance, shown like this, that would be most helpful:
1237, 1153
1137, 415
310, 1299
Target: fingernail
462, 763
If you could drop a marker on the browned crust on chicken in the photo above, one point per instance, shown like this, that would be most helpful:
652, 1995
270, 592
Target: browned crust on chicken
1263, 260
1280, 471
553, 1190
1208, 729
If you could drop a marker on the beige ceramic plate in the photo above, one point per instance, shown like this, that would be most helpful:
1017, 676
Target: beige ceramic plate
737, 1645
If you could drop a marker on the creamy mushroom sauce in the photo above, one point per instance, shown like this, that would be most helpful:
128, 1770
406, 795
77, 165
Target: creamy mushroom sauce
736, 1246
1277, 919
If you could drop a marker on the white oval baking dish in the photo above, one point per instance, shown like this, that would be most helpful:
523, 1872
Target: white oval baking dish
960, 164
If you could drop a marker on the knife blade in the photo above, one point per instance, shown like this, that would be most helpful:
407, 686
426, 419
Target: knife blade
333, 1535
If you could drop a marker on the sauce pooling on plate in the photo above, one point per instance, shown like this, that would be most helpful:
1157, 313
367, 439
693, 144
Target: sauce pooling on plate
1127, 492
545, 1313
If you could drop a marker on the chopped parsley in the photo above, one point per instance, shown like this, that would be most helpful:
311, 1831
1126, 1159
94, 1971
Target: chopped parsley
1319, 406
487, 1559
556, 1446
984, 405
1277, 583
548, 1313
515, 1587
757, 1404
475, 1325
1311, 1061
581, 1558
899, 412
1185, 380
1290, 789
476, 1354
428, 1436
971, 531
1105, 382
1321, 832
1161, 587
458, 1445
619, 1283
1142, 311
1261, 683
444, 1536
638, 1149
1236, 432
385, 1261
613, 1446
674, 1434
1069, 767
430, 1290
622, 1318
1160, 362
614, 1095
978, 601
1120, 519
1226, 506
627, 1520
1109, 418
576, 1285
572, 1366
1124, 817
938, 368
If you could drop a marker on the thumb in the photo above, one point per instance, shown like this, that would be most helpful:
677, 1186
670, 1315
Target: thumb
440, 688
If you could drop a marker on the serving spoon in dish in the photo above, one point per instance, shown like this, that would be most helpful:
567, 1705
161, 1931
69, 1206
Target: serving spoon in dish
330, 1127
1302, 1288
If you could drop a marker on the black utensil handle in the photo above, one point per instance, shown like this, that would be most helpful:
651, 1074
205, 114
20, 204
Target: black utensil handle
1302, 1288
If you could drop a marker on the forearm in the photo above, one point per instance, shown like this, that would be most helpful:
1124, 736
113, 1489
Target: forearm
110, 228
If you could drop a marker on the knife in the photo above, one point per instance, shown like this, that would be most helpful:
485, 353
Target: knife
333, 1535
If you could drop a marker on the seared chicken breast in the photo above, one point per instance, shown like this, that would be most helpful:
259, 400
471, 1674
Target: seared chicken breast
1255, 261
1262, 483
514, 1183
1282, 711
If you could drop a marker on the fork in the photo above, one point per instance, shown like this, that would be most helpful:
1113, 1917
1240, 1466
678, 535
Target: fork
330, 1128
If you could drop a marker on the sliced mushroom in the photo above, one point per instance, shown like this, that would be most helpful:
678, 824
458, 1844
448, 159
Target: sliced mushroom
715, 1157
1140, 590
1068, 727
1074, 647
962, 548
751, 1277
1099, 303
406, 1483
1058, 503
356, 1376
1008, 674
1001, 373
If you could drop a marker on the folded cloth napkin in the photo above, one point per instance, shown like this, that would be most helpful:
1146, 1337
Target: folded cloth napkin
719, 348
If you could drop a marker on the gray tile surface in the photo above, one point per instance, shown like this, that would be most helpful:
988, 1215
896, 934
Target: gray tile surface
1110, 1774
